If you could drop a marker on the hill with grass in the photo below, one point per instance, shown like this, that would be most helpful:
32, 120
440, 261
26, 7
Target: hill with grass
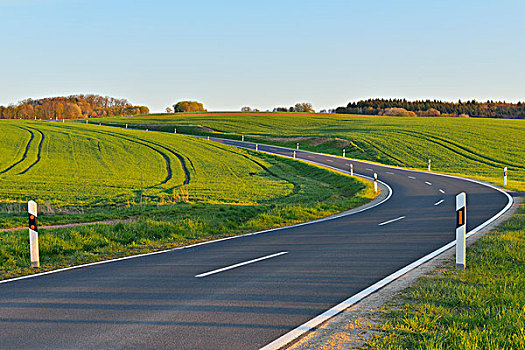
152, 190
474, 147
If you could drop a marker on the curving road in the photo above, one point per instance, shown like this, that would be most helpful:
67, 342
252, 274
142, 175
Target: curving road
242, 293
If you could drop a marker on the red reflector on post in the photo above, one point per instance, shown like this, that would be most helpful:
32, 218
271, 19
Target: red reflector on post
460, 217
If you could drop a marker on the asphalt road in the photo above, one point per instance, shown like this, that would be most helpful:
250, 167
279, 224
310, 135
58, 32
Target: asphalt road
157, 301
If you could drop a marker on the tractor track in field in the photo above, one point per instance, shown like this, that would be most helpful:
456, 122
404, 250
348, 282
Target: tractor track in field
253, 161
38, 155
296, 189
166, 158
380, 151
469, 153
148, 144
181, 159
24, 156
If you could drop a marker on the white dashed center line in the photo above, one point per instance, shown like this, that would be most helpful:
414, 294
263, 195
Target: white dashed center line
440, 190
239, 264
369, 169
428, 183
438, 203
411, 177
393, 220
389, 172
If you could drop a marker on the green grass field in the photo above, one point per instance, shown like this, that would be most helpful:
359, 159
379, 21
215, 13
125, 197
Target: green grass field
482, 307
474, 147
75, 164
193, 190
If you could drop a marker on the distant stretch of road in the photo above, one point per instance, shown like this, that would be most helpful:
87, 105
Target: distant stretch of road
242, 293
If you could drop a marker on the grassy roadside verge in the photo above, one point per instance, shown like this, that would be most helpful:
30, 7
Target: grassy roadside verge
317, 192
301, 176
482, 307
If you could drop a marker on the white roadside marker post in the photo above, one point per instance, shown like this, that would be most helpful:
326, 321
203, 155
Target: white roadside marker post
87, 121
293, 154
297, 145
429, 165
33, 234
461, 228
208, 138
126, 126
175, 131
242, 138
256, 147
344, 151
505, 176
351, 170
375, 182
63, 121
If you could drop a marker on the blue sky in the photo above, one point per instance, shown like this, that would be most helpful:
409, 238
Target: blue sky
229, 54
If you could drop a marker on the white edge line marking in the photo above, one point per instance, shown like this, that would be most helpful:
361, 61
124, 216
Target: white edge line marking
332, 217
438, 203
411, 177
428, 183
393, 220
240, 264
297, 332
440, 190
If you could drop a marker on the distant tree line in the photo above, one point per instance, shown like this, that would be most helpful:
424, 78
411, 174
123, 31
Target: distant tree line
71, 107
249, 109
473, 108
304, 107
